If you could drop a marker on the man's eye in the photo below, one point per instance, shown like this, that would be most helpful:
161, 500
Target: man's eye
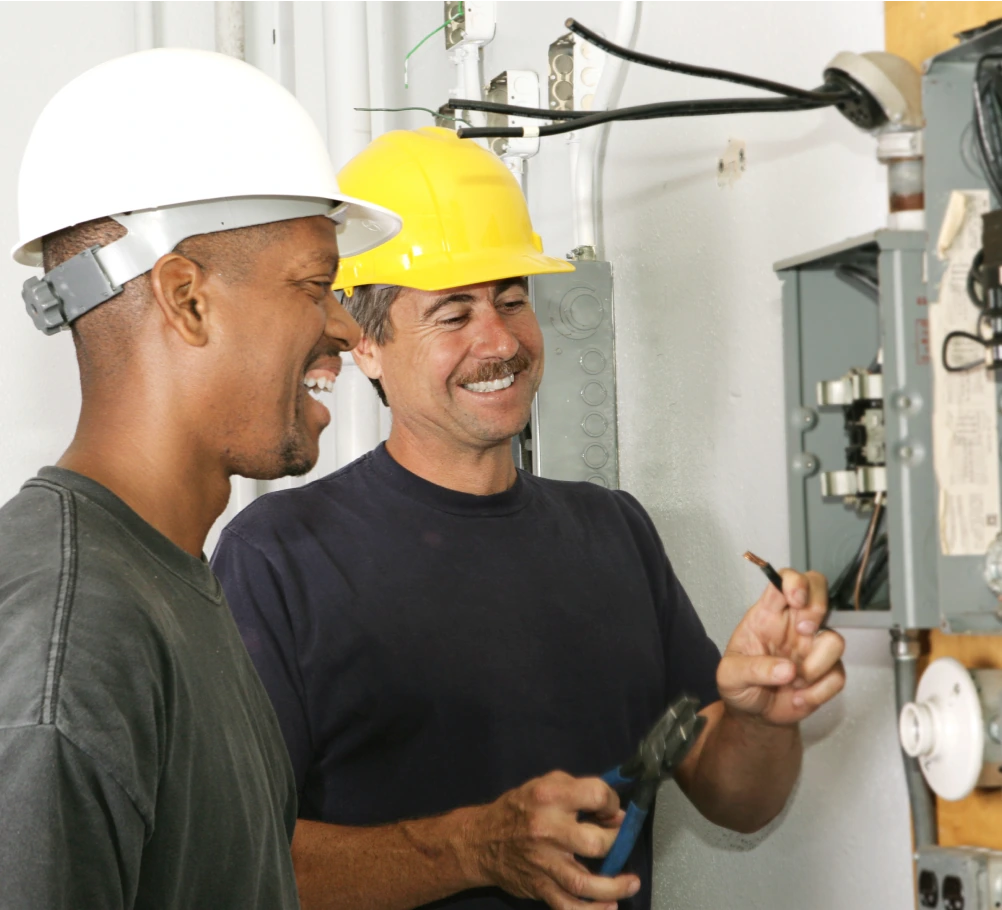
513, 305
454, 320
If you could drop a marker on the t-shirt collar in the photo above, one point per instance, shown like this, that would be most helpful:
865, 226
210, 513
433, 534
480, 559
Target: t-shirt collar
394, 475
194, 571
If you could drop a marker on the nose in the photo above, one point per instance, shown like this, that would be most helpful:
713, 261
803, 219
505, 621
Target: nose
495, 339
340, 324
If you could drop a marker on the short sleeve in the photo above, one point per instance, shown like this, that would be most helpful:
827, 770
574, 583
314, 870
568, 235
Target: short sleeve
691, 657
258, 602
72, 837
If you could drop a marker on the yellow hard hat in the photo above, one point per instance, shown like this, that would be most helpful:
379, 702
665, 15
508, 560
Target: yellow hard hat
465, 218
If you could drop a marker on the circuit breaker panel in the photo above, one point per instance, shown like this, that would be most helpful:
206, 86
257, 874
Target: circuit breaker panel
573, 429
858, 397
892, 449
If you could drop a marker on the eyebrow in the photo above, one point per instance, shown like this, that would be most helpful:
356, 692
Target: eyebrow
465, 297
327, 261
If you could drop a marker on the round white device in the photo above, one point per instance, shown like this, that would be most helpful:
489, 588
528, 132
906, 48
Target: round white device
944, 729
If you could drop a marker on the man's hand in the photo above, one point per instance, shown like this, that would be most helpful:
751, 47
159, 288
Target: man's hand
526, 842
777, 667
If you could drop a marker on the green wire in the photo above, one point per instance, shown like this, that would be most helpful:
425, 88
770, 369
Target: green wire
427, 110
430, 34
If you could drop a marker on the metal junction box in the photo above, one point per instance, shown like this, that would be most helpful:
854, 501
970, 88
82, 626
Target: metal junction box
574, 435
958, 878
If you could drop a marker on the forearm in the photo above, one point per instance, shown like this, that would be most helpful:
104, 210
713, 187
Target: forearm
390, 867
744, 770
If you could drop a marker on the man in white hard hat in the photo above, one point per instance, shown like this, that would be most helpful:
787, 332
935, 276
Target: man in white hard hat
456, 648
141, 764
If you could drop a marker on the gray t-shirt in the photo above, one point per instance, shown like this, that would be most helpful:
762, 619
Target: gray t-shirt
141, 764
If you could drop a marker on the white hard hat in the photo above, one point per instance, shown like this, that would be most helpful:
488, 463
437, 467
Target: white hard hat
172, 143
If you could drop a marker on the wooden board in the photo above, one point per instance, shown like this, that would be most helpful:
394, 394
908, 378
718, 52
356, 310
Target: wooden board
977, 820
918, 31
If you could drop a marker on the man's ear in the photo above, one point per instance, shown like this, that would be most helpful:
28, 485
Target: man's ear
179, 288
367, 355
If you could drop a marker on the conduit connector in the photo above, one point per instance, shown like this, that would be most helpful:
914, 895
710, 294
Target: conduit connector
902, 152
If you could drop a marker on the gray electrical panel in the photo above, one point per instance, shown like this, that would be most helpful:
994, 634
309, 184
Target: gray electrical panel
573, 429
831, 328
860, 369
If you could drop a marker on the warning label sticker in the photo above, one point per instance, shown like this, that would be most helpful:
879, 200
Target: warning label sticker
965, 405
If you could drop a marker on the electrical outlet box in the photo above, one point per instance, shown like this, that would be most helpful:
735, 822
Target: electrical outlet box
515, 87
573, 429
575, 70
958, 878
470, 23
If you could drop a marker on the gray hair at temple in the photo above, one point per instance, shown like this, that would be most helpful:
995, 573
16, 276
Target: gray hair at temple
369, 306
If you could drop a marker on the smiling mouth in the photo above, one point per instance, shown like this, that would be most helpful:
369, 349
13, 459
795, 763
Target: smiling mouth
496, 385
321, 378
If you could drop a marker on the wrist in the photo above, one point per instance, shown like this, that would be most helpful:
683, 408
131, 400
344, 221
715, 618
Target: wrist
467, 843
755, 726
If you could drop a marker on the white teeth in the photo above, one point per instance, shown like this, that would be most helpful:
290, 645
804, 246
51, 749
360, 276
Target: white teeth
319, 385
496, 386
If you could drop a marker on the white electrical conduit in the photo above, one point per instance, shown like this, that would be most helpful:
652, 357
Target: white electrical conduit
284, 44
145, 24
346, 43
584, 149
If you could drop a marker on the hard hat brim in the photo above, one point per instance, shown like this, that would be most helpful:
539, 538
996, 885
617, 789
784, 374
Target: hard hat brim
460, 271
363, 226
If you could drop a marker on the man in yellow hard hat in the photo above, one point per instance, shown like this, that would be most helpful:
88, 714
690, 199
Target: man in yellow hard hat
190, 255
455, 648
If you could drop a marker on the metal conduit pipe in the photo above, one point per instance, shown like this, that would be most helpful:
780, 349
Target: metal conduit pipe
906, 650
230, 28
346, 41
585, 159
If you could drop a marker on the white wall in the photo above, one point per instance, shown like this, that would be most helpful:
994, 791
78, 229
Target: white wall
698, 335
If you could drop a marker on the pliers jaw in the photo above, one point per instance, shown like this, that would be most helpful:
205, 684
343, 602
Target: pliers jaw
667, 743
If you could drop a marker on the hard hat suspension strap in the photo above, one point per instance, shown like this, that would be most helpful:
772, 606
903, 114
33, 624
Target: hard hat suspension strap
99, 273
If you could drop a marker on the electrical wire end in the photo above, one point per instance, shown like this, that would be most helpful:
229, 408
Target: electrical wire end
757, 560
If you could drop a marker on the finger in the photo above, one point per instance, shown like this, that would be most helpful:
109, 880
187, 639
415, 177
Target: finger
822, 691
796, 588
826, 651
577, 881
586, 839
741, 671
590, 794
557, 898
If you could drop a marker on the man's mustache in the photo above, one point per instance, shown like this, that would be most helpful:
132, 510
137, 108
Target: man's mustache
491, 370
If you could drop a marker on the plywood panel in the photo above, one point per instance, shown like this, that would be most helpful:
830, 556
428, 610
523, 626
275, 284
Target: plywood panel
977, 820
918, 31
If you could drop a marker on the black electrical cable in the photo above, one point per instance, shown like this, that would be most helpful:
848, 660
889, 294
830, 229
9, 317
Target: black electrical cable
964, 368
491, 107
988, 122
648, 112
974, 281
673, 66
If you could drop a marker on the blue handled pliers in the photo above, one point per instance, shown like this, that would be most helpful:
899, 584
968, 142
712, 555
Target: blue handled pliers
660, 752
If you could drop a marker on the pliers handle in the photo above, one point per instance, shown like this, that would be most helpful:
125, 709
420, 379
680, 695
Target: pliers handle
640, 804
658, 755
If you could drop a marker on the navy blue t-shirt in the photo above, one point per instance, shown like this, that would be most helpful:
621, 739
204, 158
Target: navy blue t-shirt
427, 649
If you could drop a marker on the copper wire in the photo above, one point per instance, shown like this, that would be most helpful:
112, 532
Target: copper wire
878, 504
